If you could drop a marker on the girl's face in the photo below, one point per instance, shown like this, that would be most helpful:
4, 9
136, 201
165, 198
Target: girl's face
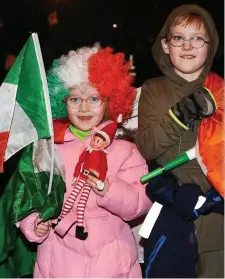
188, 61
85, 108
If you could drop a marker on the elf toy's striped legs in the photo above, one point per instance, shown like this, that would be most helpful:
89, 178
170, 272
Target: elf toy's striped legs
72, 197
82, 204
80, 233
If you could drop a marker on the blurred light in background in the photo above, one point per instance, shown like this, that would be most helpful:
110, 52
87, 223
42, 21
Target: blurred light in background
114, 25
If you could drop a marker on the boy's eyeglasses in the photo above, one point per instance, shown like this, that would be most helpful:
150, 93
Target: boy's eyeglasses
178, 41
75, 102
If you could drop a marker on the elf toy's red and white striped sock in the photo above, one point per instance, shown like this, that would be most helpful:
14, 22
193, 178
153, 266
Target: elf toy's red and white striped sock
72, 197
82, 204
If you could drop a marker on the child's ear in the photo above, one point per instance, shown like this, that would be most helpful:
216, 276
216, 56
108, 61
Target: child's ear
165, 45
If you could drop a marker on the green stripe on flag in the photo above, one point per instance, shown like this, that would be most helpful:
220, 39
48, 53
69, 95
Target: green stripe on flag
31, 83
25, 73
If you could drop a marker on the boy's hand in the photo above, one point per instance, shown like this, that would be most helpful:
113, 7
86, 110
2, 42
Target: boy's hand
199, 104
214, 203
211, 206
162, 188
42, 228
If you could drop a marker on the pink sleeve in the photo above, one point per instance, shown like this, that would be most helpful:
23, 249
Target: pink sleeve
126, 196
27, 228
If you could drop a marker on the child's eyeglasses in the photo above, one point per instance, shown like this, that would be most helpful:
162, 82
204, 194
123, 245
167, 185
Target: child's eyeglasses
75, 102
178, 41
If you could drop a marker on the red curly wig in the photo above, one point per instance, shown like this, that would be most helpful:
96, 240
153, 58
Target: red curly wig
109, 74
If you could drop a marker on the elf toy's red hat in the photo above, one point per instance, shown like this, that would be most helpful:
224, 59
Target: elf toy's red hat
109, 131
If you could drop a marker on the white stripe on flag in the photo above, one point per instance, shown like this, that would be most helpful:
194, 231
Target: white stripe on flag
7, 101
22, 132
42, 158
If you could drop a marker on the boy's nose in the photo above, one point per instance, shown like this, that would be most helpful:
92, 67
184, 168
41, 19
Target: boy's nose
187, 46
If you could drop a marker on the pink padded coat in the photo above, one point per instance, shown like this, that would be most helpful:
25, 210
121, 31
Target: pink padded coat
110, 251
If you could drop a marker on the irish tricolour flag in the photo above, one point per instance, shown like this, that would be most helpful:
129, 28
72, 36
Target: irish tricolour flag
25, 112
37, 185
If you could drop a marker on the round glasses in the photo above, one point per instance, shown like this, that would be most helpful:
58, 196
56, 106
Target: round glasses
75, 102
178, 41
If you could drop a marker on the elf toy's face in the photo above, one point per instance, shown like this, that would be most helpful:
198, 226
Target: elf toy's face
98, 143
85, 108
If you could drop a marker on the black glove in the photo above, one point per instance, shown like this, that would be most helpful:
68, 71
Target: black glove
162, 188
211, 206
186, 200
165, 190
214, 203
200, 104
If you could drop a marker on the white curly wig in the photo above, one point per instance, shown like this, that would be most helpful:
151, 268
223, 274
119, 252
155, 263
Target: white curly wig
73, 67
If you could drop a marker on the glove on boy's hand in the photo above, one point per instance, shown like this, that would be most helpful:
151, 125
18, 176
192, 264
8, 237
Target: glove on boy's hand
199, 104
162, 188
214, 203
183, 200
210, 206
186, 203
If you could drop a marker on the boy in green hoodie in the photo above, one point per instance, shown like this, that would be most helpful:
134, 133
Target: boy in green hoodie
172, 106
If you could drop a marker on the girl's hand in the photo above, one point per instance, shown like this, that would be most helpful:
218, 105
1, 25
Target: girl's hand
42, 228
92, 181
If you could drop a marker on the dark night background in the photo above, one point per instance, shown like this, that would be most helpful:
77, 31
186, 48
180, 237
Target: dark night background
83, 22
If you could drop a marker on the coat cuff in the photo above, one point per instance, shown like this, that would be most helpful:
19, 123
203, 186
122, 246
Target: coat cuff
178, 121
27, 228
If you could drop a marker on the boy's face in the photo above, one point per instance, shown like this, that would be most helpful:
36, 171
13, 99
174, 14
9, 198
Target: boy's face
85, 116
188, 61
98, 143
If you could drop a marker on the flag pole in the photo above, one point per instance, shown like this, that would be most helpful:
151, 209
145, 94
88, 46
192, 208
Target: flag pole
47, 102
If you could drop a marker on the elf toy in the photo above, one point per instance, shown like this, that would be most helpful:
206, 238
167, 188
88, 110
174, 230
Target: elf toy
92, 158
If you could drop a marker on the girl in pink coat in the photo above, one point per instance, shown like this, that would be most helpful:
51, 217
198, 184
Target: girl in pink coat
96, 88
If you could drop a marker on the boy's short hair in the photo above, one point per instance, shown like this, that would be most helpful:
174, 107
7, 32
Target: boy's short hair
187, 20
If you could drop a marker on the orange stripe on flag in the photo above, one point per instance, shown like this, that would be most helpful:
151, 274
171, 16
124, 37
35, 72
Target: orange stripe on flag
3, 144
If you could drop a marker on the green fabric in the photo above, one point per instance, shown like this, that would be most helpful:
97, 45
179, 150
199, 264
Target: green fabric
25, 193
21, 261
57, 92
26, 74
79, 133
